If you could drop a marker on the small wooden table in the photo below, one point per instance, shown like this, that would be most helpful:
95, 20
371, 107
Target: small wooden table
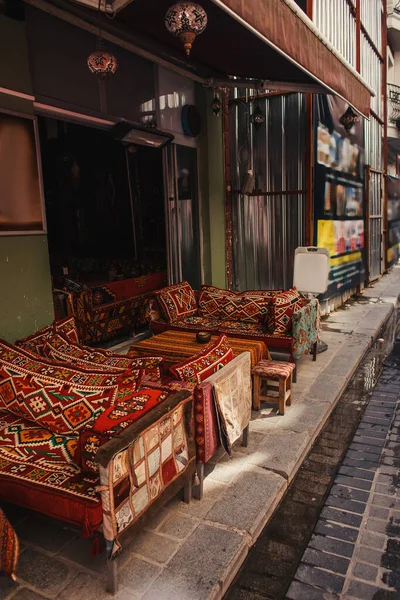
273, 370
176, 346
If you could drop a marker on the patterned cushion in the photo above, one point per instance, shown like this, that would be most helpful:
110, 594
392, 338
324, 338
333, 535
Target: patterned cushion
273, 369
36, 341
57, 396
177, 301
29, 443
101, 361
281, 310
197, 368
249, 306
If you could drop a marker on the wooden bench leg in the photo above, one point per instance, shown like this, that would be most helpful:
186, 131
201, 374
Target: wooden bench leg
282, 394
245, 437
314, 353
256, 392
289, 388
200, 475
295, 372
112, 576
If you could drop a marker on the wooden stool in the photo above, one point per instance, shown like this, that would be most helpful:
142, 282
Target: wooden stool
277, 371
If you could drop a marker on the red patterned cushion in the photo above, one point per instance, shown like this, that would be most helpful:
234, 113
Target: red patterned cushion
197, 368
249, 306
177, 301
273, 369
30, 443
281, 310
59, 349
36, 341
59, 397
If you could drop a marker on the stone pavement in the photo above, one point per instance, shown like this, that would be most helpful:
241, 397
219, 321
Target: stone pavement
194, 551
354, 552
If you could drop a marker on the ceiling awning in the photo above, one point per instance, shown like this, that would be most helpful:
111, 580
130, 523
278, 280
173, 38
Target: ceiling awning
283, 26
264, 40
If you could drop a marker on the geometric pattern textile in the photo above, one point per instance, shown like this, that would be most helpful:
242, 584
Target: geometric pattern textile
232, 393
29, 443
137, 476
59, 349
281, 310
114, 420
248, 306
35, 342
9, 548
273, 369
177, 346
177, 301
197, 368
305, 327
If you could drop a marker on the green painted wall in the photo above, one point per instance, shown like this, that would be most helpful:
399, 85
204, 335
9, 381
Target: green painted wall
25, 293
212, 190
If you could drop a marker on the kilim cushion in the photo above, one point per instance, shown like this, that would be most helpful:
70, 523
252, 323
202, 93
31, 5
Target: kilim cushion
177, 301
197, 368
56, 396
30, 443
59, 349
36, 341
273, 369
249, 306
281, 309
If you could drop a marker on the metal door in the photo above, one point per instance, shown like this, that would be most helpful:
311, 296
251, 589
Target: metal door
182, 214
374, 223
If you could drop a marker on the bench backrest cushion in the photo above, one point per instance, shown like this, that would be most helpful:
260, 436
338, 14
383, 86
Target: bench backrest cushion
250, 306
35, 342
177, 301
281, 309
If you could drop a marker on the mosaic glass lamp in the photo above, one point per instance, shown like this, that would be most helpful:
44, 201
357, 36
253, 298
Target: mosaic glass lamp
186, 20
102, 63
216, 105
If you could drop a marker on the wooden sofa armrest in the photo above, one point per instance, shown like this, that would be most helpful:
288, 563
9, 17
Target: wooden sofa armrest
116, 444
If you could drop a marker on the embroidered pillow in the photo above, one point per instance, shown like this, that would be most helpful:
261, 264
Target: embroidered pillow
177, 301
36, 341
59, 349
281, 309
248, 307
197, 368
58, 397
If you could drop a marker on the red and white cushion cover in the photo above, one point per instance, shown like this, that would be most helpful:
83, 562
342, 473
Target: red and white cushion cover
249, 306
197, 368
281, 310
35, 342
177, 301
273, 369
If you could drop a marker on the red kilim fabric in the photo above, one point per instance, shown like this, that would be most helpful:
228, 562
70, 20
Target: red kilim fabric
281, 310
249, 306
177, 301
273, 369
35, 342
9, 547
199, 367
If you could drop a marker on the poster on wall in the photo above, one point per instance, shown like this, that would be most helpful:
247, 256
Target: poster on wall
21, 201
393, 214
339, 194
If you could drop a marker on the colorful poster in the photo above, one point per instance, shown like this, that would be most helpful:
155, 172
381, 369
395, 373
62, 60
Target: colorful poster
339, 193
393, 189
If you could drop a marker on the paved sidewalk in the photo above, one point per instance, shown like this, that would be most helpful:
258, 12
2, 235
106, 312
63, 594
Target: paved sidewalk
354, 552
194, 551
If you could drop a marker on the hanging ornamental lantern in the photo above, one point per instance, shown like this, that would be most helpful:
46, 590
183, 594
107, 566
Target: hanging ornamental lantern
186, 20
257, 118
216, 106
348, 119
102, 63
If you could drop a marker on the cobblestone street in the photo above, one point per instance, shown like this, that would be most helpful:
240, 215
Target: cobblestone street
355, 549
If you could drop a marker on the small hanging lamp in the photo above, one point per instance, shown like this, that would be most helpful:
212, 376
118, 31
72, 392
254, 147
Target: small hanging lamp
100, 62
186, 20
216, 105
258, 117
348, 119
